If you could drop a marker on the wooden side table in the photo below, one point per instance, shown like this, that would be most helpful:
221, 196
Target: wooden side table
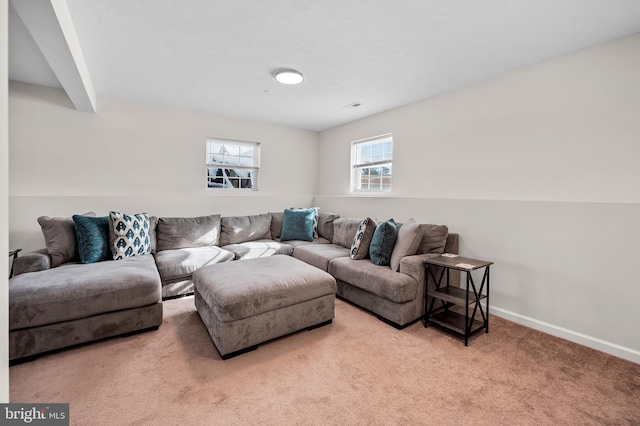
449, 296
14, 255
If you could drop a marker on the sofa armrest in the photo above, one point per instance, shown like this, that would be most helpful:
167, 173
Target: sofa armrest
38, 260
414, 266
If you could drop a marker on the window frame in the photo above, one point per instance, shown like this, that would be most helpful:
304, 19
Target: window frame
357, 164
254, 168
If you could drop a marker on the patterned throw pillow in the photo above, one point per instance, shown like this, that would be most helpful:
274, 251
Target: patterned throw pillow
130, 235
362, 239
315, 222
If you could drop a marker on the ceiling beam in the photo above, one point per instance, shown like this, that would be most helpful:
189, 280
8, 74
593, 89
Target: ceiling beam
50, 25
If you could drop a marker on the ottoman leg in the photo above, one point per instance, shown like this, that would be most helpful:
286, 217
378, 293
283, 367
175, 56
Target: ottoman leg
322, 324
240, 352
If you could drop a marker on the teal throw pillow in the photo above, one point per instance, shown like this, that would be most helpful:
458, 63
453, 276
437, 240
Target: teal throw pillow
92, 235
382, 243
297, 224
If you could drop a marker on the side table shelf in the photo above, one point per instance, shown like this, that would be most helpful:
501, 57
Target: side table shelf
449, 295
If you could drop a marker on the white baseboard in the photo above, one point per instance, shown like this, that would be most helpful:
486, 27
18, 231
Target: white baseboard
579, 338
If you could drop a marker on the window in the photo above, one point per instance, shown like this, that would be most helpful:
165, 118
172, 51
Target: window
232, 164
371, 164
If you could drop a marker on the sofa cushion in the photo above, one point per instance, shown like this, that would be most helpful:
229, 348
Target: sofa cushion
298, 224
382, 243
240, 229
74, 291
276, 224
407, 243
434, 238
92, 236
319, 255
378, 280
260, 248
182, 263
184, 232
153, 224
129, 234
298, 243
344, 229
325, 224
60, 238
362, 239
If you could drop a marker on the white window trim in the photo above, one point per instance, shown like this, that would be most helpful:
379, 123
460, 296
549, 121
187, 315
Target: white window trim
354, 176
255, 167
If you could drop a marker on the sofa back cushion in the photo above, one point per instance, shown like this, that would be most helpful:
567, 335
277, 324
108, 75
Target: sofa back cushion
434, 238
153, 224
325, 224
407, 244
186, 232
344, 230
240, 229
276, 224
60, 238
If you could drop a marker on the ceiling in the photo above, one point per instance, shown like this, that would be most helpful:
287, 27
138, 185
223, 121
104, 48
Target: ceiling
218, 55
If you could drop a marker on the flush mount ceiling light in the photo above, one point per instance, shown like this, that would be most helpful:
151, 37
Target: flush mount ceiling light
288, 76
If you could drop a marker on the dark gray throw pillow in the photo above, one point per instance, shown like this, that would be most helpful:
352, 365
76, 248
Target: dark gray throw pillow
382, 243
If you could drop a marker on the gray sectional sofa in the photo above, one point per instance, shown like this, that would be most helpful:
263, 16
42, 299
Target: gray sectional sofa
54, 304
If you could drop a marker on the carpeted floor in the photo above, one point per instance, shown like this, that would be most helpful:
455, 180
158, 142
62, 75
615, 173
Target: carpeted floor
356, 371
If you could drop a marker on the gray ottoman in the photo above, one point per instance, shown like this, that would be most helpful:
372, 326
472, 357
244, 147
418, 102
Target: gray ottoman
247, 302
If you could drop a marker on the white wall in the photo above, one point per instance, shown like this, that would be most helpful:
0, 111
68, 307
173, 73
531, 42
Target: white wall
138, 157
4, 203
537, 170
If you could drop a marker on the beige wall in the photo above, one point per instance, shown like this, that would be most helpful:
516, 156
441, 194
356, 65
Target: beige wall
537, 170
4, 203
138, 157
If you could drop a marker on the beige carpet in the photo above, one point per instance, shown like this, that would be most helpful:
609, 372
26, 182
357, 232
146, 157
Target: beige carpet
356, 371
